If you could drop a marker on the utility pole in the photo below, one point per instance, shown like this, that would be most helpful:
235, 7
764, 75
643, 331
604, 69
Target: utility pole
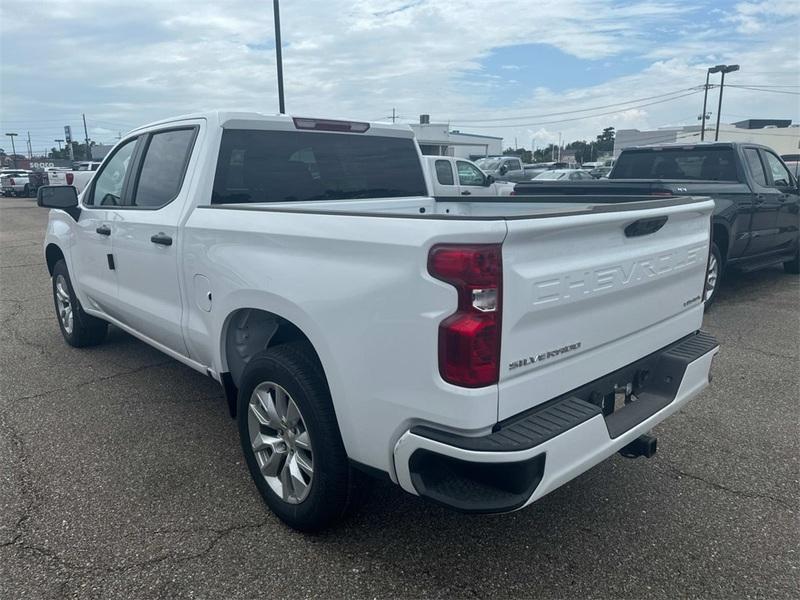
86, 135
559, 146
30, 149
394, 115
710, 70
13, 149
279, 55
725, 69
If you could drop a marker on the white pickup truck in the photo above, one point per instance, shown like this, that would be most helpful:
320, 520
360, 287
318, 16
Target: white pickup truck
479, 352
451, 176
80, 175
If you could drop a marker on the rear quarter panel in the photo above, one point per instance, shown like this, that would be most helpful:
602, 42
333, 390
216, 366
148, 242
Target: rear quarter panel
358, 287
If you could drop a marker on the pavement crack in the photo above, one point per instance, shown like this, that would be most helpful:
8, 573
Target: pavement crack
94, 380
718, 486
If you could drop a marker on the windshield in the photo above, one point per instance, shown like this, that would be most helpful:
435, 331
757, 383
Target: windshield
691, 163
489, 164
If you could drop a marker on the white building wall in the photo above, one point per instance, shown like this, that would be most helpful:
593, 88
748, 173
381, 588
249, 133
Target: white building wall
439, 137
784, 140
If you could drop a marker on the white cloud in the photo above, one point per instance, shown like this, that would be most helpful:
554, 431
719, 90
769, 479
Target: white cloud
125, 63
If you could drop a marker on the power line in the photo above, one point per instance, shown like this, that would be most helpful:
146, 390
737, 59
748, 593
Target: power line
569, 112
583, 117
758, 89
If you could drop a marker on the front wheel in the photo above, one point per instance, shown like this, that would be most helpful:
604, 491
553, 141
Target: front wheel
78, 328
291, 440
713, 275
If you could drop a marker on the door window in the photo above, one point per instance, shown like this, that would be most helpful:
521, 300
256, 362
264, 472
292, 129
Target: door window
756, 168
444, 172
107, 190
469, 174
164, 165
780, 174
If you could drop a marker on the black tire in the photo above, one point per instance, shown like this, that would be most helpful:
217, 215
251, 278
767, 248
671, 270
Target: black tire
793, 266
295, 368
714, 261
85, 329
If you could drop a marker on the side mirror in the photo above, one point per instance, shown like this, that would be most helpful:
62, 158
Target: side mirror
62, 197
503, 170
488, 181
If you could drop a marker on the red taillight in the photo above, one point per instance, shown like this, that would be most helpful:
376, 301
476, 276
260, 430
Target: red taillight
70, 178
469, 339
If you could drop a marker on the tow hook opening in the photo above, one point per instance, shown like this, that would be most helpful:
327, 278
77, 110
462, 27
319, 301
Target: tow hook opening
645, 445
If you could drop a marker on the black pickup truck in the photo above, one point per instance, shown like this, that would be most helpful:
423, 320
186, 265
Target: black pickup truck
756, 220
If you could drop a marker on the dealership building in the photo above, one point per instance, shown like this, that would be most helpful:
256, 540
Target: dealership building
779, 134
438, 139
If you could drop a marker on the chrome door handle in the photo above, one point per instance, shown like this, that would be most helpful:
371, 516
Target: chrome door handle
103, 230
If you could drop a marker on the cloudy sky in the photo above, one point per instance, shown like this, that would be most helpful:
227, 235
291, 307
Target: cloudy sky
523, 69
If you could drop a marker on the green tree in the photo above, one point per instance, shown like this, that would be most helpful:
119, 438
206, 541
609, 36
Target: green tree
525, 156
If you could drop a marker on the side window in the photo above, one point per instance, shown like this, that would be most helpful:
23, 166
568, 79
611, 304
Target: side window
469, 174
780, 174
444, 172
163, 168
756, 168
107, 190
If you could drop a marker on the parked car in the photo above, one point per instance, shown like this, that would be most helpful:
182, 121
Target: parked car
502, 168
564, 175
478, 353
460, 177
14, 182
755, 221
600, 172
533, 169
80, 175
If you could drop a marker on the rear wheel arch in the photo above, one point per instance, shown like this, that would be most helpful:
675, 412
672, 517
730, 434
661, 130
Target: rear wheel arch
251, 331
721, 237
52, 255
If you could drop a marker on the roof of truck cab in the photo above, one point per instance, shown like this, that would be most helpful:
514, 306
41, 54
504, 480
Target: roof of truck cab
693, 145
241, 120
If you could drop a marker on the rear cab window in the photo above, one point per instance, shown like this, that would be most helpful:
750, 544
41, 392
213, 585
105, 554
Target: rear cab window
298, 166
444, 172
689, 163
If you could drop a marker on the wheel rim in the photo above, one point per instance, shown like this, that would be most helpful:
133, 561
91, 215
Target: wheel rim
712, 276
63, 305
280, 442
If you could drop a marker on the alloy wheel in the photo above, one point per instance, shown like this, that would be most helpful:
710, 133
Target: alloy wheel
64, 305
280, 442
712, 276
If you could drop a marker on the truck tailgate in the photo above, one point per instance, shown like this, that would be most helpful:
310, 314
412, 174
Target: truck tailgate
586, 294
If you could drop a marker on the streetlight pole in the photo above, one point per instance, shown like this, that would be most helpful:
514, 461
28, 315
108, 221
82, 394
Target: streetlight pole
13, 148
726, 69
279, 54
711, 70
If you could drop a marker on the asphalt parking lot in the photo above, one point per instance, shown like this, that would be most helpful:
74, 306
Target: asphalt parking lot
121, 477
